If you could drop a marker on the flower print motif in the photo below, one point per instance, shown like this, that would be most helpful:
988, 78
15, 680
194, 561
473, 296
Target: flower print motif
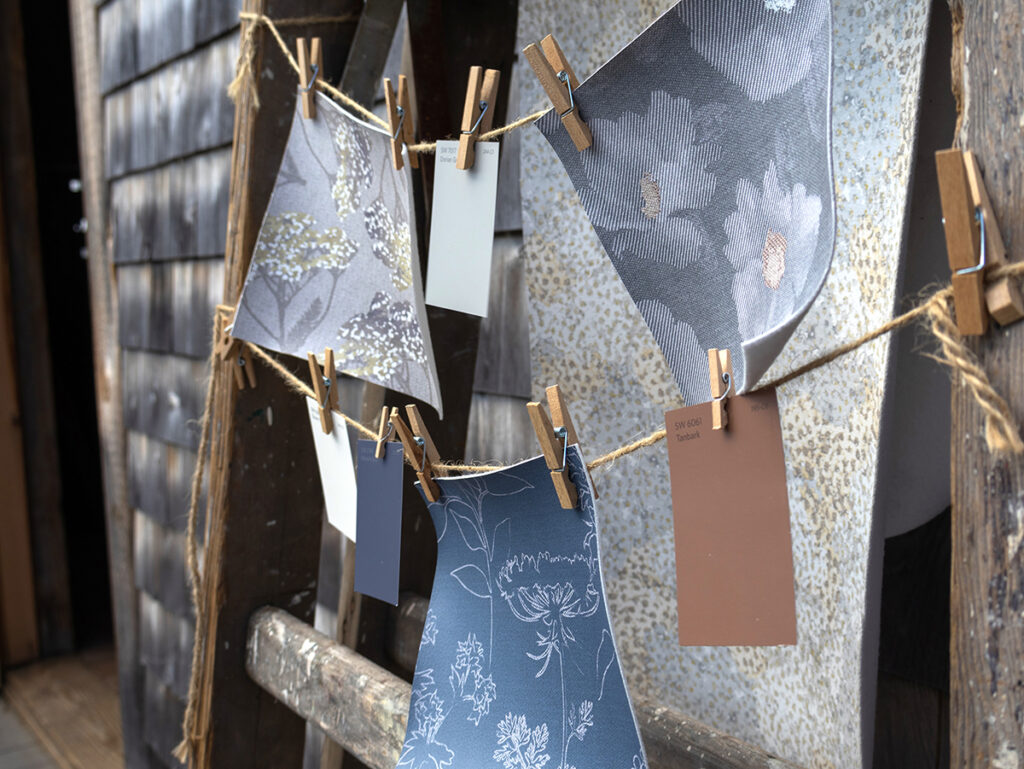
764, 51
290, 245
666, 173
422, 750
429, 636
770, 218
638, 762
378, 343
571, 594
354, 174
391, 243
520, 747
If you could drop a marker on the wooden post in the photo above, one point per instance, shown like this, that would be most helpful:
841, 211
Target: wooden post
32, 341
107, 372
987, 601
264, 501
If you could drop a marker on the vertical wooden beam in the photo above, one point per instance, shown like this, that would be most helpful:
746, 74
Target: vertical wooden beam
987, 601
264, 501
19, 636
32, 340
446, 38
107, 372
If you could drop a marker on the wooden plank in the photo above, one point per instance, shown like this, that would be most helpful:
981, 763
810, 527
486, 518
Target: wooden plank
500, 429
32, 340
159, 479
503, 359
71, 706
508, 211
19, 635
365, 708
987, 642
160, 572
178, 110
175, 211
265, 500
168, 307
163, 396
164, 29
162, 717
119, 59
107, 372
369, 51
215, 17
165, 650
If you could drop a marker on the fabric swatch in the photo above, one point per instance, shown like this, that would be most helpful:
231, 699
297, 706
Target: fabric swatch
709, 181
812, 703
517, 665
337, 473
335, 262
379, 521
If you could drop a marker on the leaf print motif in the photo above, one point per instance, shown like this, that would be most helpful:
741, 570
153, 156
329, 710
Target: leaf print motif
605, 658
391, 243
429, 636
354, 174
473, 580
376, 343
520, 747
468, 669
422, 749
289, 246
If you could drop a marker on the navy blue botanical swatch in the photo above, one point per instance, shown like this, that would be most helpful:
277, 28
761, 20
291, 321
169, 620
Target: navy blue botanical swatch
517, 665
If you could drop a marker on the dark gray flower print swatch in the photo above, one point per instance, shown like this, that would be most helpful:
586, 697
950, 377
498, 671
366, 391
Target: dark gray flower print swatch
709, 181
335, 261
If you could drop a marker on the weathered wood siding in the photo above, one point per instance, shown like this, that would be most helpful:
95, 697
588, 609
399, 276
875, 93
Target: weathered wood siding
167, 126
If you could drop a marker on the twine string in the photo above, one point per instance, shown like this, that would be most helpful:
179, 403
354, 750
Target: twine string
245, 74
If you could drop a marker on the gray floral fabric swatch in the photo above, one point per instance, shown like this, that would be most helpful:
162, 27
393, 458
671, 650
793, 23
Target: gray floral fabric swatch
709, 181
517, 665
335, 261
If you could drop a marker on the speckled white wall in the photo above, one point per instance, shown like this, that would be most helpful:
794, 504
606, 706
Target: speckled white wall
812, 703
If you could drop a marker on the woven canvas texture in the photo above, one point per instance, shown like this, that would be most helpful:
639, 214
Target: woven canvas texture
517, 666
709, 179
811, 703
335, 261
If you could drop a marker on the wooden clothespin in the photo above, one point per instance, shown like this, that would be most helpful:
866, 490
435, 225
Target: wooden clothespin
554, 442
383, 432
559, 82
400, 121
963, 243
311, 67
325, 385
1003, 297
720, 369
560, 418
230, 349
419, 428
477, 113
415, 446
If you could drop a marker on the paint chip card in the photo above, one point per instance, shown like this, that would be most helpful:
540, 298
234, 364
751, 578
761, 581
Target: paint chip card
379, 521
462, 229
337, 474
734, 557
